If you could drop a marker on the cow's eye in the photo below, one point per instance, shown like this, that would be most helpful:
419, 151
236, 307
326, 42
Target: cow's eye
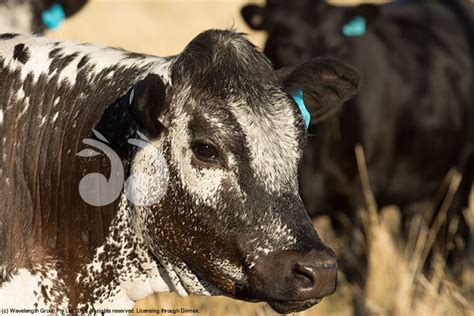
206, 153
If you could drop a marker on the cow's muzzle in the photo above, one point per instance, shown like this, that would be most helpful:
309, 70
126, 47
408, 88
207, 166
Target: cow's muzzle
294, 280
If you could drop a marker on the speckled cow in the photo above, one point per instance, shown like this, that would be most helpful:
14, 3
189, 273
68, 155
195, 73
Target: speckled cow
230, 221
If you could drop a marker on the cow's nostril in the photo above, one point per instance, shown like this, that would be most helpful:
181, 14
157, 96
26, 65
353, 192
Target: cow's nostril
304, 274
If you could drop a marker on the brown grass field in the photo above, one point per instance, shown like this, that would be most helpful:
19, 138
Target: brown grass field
395, 285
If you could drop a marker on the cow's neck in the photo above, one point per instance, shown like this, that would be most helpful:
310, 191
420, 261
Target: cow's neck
123, 271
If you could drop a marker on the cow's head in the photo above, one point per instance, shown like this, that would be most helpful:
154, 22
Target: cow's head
231, 221
299, 30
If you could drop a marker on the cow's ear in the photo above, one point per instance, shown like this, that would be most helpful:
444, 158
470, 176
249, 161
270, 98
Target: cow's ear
145, 101
71, 7
254, 16
320, 85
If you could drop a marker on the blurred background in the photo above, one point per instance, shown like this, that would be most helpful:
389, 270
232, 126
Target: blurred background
157, 27
395, 282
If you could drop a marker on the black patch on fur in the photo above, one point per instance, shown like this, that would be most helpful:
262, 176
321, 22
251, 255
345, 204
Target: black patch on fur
21, 53
7, 36
135, 55
84, 60
54, 52
61, 62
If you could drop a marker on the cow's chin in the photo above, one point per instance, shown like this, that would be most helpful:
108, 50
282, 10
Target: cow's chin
227, 287
286, 307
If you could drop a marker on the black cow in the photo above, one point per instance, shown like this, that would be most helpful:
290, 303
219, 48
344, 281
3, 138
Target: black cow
414, 115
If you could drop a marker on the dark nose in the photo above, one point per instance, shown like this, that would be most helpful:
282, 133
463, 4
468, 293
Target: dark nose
314, 274
295, 275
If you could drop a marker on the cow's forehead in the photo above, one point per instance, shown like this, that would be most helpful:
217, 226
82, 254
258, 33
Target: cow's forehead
272, 138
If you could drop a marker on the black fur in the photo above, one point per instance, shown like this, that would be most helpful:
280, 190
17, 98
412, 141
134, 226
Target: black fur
21, 53
6, 36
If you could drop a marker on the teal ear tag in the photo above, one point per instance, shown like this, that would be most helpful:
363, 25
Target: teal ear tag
355, 27
298, 97
53, 17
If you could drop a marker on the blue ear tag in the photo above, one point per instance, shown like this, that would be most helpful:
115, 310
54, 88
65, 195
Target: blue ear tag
53, 17
355, 27
298, 97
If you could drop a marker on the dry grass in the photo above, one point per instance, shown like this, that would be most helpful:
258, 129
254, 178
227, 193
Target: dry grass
395, 284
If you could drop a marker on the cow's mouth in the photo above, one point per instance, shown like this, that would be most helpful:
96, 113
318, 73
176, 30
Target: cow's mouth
230, 287
286, 307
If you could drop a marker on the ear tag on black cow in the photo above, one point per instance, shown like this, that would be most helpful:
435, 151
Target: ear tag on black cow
355, 27
298, 97
54, 16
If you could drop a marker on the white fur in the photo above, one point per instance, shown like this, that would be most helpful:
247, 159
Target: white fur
100, 58
164, 70
149, 177
132, 95
204, 183
21, 281
272, 141
230, 270
23, 291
